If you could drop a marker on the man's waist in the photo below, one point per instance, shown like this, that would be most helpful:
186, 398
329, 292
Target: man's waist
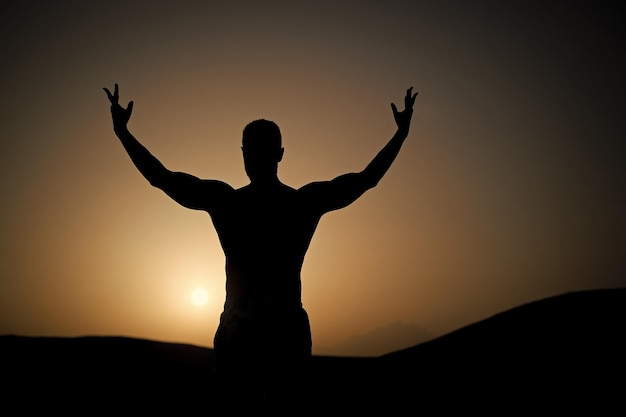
262, 303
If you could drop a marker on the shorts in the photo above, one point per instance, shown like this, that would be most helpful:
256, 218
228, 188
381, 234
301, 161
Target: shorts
262, 354
252, 329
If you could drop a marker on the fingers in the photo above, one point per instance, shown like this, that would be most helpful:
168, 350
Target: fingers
129, 109
113, 98
409, 98
413, 99
106, 90
409, 101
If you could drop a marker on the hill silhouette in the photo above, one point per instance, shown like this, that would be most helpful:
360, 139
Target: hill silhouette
556, 354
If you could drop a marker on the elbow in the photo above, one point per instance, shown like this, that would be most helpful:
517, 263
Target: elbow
369, 180
158, 179
157, 183
373, 183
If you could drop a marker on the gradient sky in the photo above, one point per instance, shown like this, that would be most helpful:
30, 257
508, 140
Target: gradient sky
510, 187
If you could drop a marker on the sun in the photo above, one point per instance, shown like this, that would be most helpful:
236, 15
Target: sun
199, 296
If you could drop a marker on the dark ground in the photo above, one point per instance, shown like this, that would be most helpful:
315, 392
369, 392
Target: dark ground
558, 355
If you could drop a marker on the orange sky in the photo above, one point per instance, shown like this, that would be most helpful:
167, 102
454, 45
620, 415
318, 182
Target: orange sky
511, 186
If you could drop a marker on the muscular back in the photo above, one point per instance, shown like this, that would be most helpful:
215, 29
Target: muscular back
265, 232
265, 228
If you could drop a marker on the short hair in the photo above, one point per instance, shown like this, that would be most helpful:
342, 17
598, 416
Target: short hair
262, 133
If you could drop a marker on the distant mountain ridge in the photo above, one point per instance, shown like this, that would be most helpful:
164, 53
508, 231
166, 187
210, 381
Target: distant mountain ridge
574, 317
568, 351
380, 340
565, 351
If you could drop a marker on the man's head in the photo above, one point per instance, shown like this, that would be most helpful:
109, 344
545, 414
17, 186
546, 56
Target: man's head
262, 149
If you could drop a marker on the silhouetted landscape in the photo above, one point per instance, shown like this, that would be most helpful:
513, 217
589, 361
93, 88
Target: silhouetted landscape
557, 354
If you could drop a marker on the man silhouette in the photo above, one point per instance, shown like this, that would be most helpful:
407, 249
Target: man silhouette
263, 341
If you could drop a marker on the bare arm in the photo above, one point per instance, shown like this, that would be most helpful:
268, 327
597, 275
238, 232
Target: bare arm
186, 189
377, 168
346, 188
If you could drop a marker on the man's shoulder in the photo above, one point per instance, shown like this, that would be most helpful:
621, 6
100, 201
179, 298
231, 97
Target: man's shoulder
215, 187
314, 186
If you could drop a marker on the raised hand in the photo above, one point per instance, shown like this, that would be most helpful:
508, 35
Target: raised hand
120, 115
403, 118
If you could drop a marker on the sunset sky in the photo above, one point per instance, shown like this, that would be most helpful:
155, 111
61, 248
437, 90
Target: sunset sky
511, 186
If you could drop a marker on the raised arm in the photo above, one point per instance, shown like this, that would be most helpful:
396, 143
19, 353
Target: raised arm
346, 188
377, 168
186, 189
